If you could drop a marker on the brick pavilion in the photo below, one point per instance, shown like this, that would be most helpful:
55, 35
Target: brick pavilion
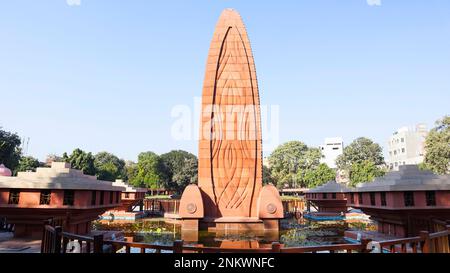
30, 198
404, 202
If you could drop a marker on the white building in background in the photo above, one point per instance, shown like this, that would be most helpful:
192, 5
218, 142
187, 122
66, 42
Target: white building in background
407, 146
332, 148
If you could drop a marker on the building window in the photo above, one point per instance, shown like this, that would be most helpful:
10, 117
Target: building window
324, 195
117, 196
352, 198
372, 199
403, 140
14, 196
68, 197
46, 196
94, 198
383, 199
333, 195
111, 197
403, 150
431, 198
127, 195
102, 198
360, 198
408, 197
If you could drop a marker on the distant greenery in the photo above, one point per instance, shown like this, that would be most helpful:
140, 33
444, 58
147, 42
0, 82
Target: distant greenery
360, 150
364, 160
81, 160
27, 163
267, 176
10, 151
182, 168
319, 176
290, 198
437, 147
365, 171
291, 164
109, 167
150, 171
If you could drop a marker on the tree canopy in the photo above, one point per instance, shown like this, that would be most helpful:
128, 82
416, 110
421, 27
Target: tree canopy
437, 147
187, 175
150, 171
27, 163
81, 160
182, 168
362, 172
364, 159
109, 167
267, 176
360, 150
10, 151
291, 162
318, 176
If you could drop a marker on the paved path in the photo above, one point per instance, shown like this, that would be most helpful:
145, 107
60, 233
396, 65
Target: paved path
9, 244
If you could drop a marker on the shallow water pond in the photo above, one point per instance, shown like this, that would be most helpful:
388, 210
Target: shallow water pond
293, 233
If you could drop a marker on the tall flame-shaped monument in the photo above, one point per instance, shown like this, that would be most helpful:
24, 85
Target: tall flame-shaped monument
230, 195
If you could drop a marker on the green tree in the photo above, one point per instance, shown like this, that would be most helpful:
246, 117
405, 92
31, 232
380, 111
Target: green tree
319, 176
360, 150
175, 159
27, 163
131, 170
10, 151
437, 147
363, 172
178, 163
291, 161
151, 172
267, 176
187, 175
109, 167
81, 160
363, 159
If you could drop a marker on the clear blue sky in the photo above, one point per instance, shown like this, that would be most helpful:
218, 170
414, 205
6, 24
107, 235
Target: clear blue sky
106, 74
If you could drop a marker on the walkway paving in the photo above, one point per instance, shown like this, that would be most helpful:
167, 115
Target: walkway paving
9, 244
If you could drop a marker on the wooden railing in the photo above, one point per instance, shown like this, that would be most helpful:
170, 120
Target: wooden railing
56, 241
51, 239
437, 242
171, 206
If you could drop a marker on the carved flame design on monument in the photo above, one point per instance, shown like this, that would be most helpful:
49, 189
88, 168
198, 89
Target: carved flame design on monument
230, 154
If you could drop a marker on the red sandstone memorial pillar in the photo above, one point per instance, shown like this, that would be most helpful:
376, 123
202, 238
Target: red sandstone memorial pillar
230, 145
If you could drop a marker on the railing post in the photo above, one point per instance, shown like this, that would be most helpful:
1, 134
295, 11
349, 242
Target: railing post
426, 245
276, 247
57, 240
364, 243
98, 244
178, 246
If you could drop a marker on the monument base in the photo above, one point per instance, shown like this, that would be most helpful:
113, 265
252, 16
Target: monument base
225, 226
232, 225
